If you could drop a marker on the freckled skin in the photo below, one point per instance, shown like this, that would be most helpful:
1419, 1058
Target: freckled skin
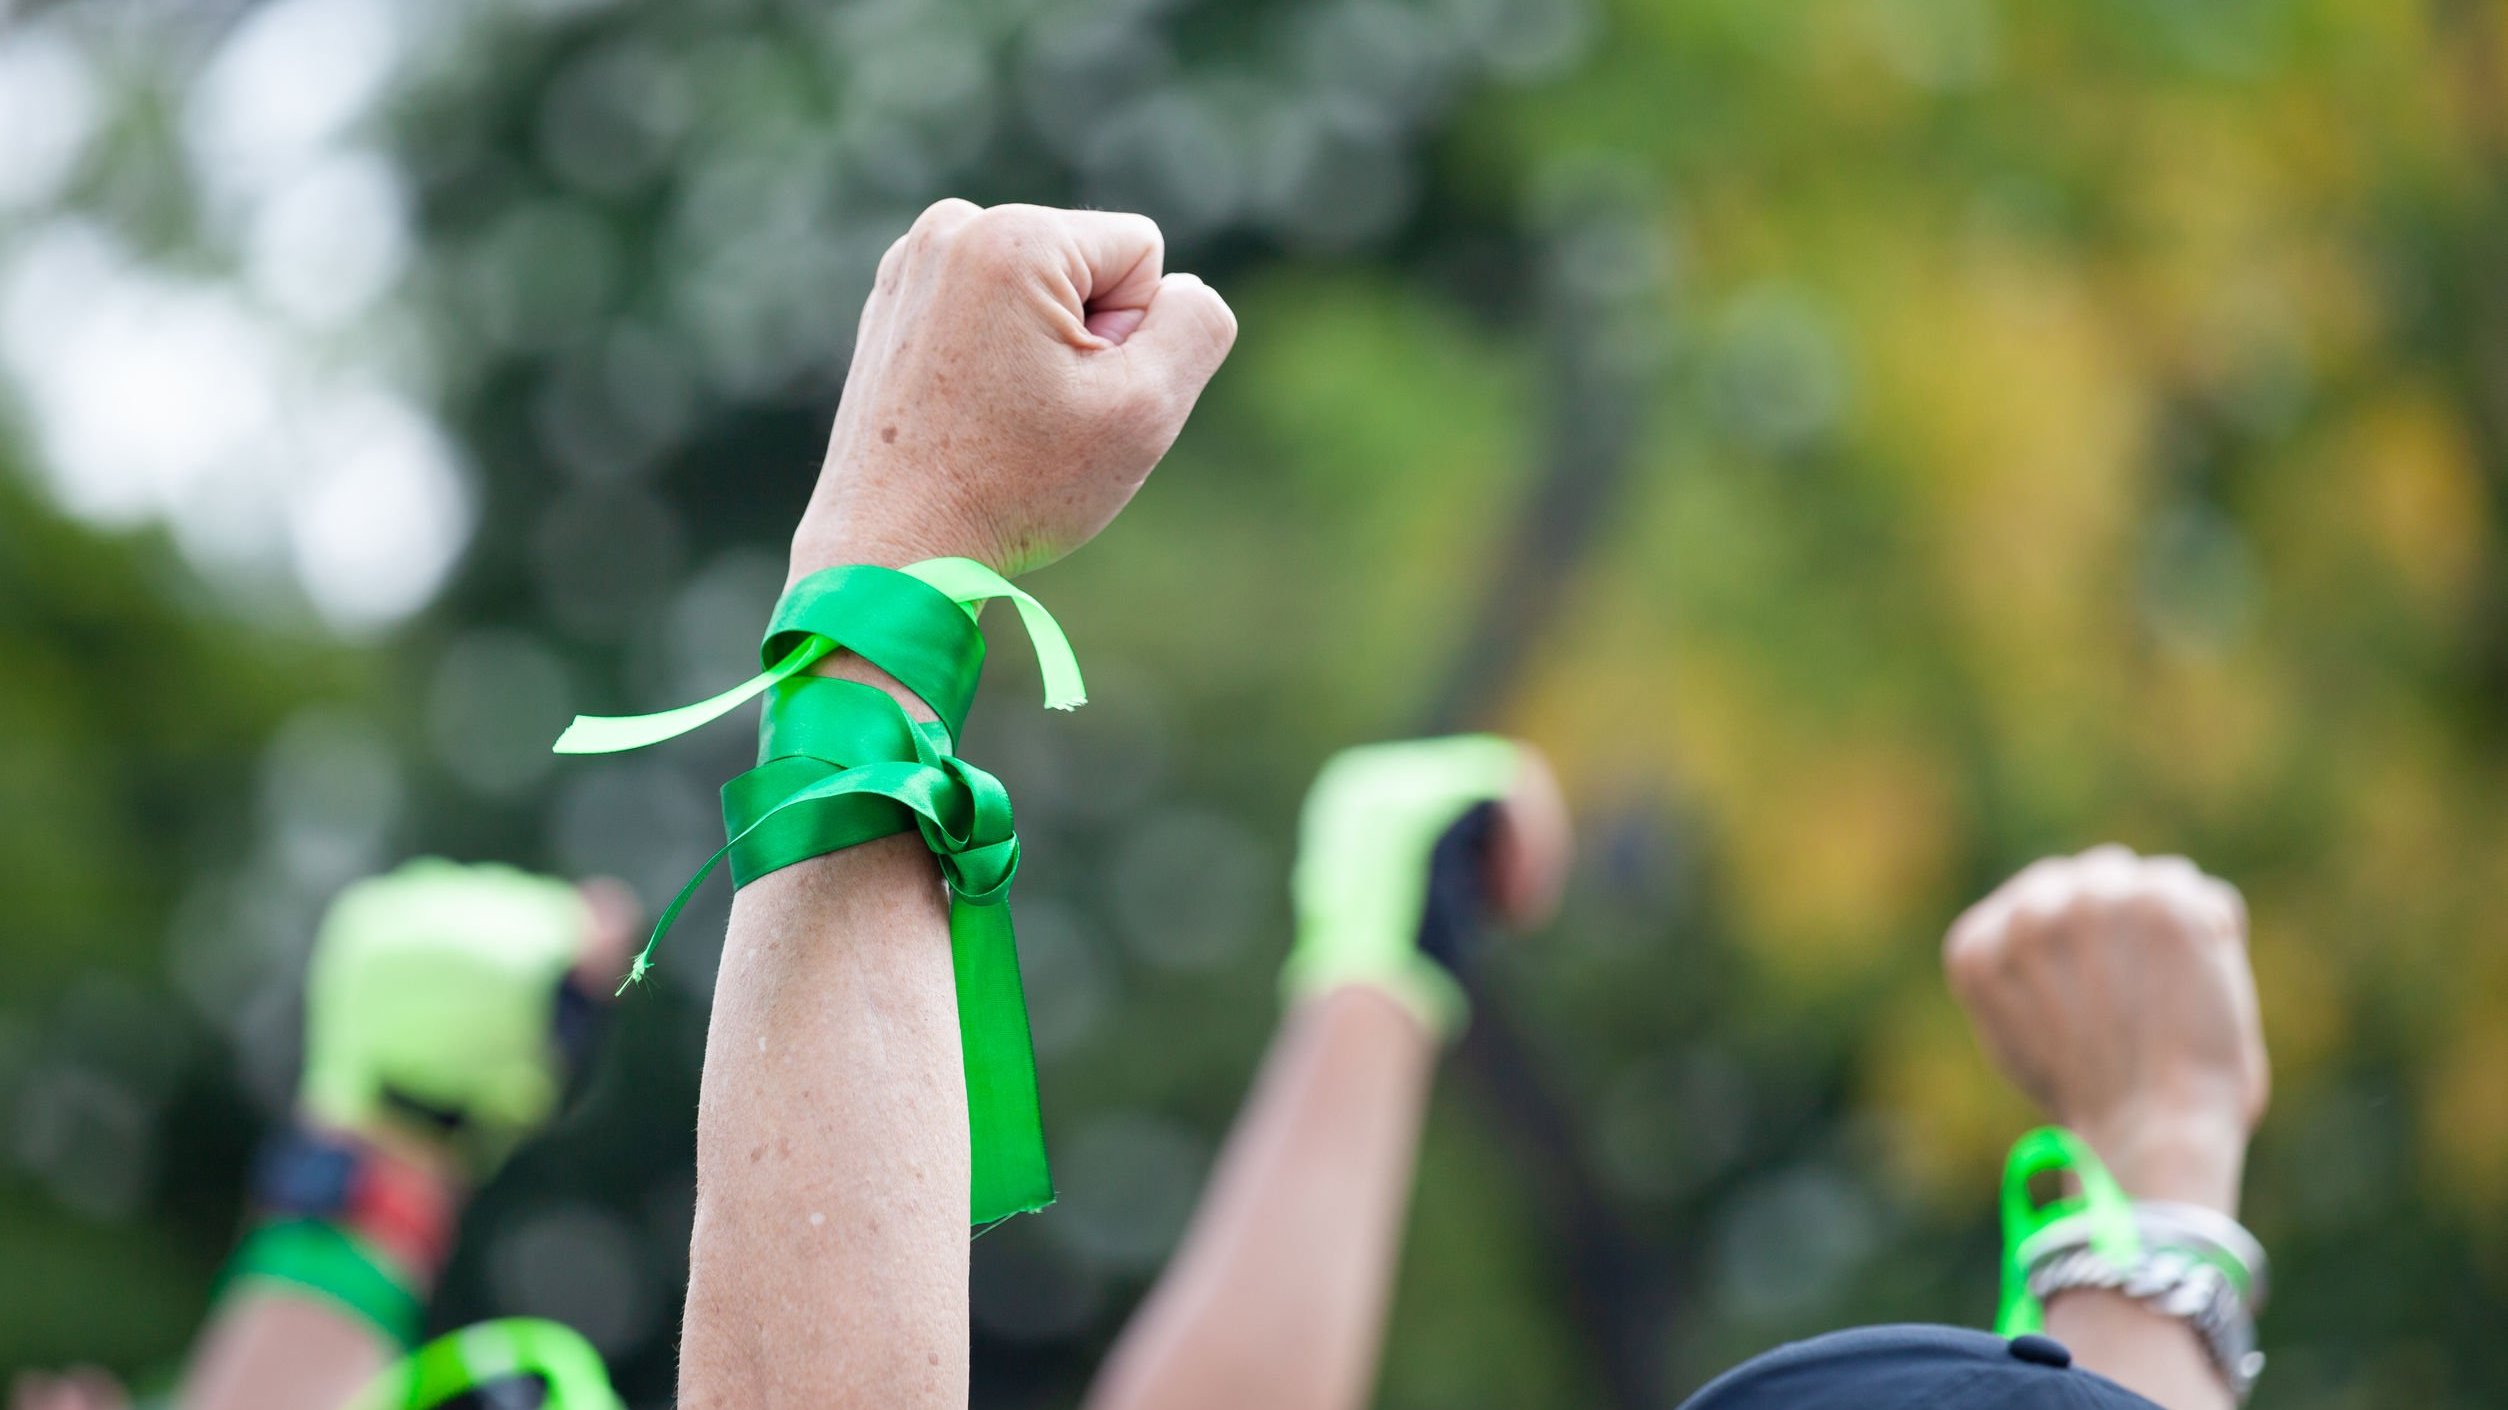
1046, 363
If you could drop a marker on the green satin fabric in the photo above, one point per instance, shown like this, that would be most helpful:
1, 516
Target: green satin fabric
896, 622
841, 763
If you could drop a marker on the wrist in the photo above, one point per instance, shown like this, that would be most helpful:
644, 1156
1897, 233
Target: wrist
401, 1194
835, 540
838, 529
2192, 1157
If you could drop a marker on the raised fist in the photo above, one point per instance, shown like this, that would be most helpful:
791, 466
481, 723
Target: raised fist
2114, 990
1018, 373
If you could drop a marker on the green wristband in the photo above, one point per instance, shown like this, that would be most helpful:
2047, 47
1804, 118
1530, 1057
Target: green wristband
491, 1351
841, 763
322, 1258
2101, 1211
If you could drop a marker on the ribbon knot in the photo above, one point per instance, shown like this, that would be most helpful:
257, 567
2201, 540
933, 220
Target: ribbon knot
841, 763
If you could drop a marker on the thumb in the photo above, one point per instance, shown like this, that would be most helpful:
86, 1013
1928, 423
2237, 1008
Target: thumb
1185, 334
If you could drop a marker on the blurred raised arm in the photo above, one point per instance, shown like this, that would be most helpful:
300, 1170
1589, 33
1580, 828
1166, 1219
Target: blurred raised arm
2114, 991
445, 1006
1277, 1298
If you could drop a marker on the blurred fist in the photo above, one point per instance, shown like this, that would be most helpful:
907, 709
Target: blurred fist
1018, 373
2114, 990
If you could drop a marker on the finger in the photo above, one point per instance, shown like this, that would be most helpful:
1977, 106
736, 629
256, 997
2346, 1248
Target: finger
1535, 845
1120, 259
943, 218
1982, 919
1973, 926
2184, 888
2038, 895
1115, 325
2232, 903
2110, 872
1187, 332
939, 221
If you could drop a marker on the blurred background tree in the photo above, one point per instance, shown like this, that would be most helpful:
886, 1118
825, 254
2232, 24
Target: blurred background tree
1869, 442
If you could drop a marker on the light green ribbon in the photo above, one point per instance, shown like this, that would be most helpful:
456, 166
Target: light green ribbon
491, 1351
841, 763
2101, 1212
962, 580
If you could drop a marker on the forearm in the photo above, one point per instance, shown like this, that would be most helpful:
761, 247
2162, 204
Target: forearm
272, 1348
1016, 375
2160, 1357
2156, 1356
1277, 1299
318, 1299
830, 1252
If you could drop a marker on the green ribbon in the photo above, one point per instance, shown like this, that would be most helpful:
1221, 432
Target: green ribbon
841, 763
880, 615
2100, 1210
315, 1256
475, 1356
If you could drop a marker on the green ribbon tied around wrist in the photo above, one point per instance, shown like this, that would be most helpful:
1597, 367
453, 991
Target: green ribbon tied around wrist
2099, 1210
841, 763
481, 1355
318, 1258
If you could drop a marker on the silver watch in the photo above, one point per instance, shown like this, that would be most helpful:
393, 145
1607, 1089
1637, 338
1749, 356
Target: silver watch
2197, 1265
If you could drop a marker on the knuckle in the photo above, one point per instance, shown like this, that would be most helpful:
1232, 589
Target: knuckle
997, 239
1969, 960
942, 216
2151, 911
2047, 918
2232, 901
2173, 870
1146, 228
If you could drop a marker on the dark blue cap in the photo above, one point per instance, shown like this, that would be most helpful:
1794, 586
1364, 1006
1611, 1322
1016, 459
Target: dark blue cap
1915, 1368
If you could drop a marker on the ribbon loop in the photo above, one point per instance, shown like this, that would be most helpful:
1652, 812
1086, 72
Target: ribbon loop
2027, 1225
920, 635
841, 763
971, 584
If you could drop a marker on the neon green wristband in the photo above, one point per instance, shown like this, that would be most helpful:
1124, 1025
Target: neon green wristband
321, 1258
2101, 1213
841, 763
474, 1356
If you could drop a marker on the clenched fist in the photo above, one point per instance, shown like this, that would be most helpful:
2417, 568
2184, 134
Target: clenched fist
2114, 990
1018, 373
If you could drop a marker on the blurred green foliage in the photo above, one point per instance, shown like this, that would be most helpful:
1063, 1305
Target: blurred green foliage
2054, 423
